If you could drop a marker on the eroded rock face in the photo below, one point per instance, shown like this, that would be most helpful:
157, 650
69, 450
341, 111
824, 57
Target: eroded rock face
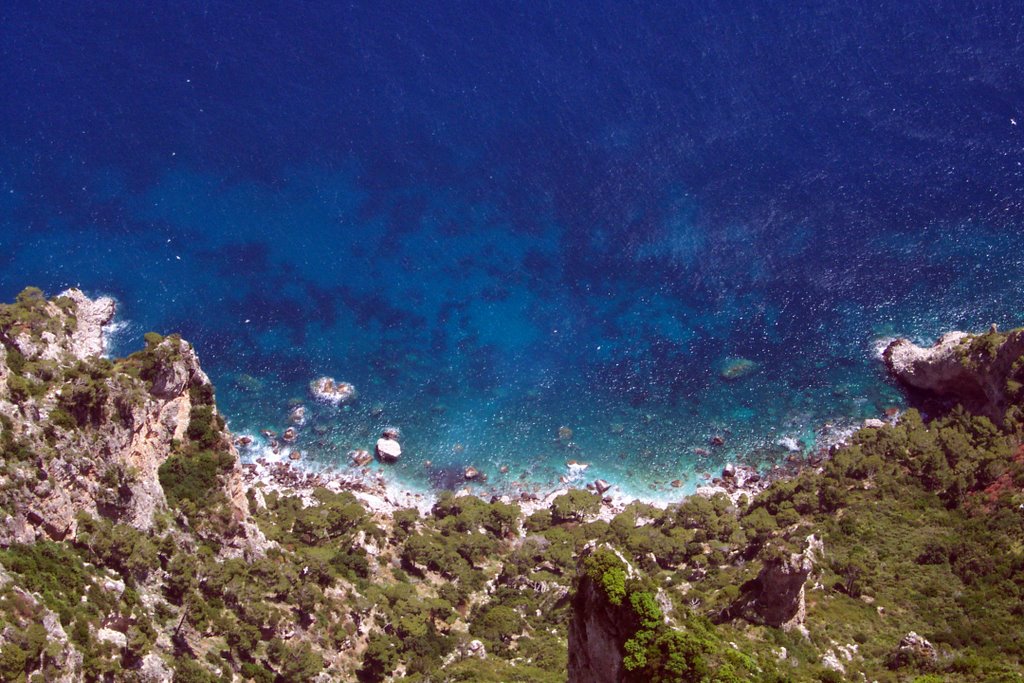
776, 596
971, 369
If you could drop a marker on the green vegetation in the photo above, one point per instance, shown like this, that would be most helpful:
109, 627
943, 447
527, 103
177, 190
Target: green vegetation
920, 521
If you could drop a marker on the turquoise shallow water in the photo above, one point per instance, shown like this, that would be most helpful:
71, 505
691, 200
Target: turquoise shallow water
500, 221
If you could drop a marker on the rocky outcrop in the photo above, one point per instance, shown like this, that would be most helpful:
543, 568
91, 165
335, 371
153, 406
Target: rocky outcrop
597, 631
92, 434
913, 648
971, 369
91, 315
776, 596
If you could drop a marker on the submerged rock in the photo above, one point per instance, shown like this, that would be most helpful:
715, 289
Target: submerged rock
735, 368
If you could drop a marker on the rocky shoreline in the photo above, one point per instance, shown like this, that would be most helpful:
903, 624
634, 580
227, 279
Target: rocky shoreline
384, 496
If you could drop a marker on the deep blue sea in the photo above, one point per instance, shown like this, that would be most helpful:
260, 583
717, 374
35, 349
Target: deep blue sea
497, 219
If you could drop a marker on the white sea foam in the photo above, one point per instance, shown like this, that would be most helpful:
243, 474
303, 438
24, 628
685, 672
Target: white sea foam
879, 345
790, 443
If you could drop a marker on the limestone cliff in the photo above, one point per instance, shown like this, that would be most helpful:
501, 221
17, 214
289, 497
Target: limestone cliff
81, 433
979, 371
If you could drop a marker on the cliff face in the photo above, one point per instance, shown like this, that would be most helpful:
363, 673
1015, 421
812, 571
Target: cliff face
83, 434
979, 371
596, 634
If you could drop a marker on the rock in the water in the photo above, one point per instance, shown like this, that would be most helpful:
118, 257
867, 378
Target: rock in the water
360, 457
729, 471
392, 433
735, 368
327, 389
565, 434
295, 455
290, 435
471, 473
297, 415
601, 485
388, 450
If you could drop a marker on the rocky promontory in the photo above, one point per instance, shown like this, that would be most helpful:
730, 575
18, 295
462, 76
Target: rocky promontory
980, 371
84, 434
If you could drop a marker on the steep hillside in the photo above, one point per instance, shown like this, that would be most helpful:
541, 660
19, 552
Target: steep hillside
137, 548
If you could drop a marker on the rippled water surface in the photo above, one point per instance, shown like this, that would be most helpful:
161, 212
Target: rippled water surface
500, 219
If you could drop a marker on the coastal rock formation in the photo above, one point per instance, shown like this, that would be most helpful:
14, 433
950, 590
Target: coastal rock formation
776, 596
975, 370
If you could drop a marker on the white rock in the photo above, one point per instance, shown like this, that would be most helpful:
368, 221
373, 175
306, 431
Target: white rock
155, 670
873, 423
92, 316
108, 635
830, 661
115, 586
388, 450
